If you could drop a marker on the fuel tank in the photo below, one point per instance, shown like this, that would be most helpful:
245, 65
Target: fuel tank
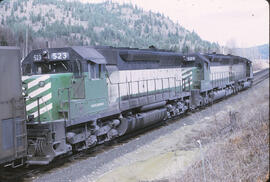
141, 120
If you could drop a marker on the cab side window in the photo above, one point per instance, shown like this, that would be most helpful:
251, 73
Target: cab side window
77, 67
94, 70
27, 69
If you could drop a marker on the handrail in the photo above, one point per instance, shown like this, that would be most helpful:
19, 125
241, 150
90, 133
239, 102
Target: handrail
142, 80
217, 78
60, 99
146, 86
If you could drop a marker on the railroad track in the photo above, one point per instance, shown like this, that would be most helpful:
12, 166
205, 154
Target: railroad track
260, 76
26, 173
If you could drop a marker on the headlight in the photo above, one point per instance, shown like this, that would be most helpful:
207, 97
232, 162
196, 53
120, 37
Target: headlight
41, 83
24, 89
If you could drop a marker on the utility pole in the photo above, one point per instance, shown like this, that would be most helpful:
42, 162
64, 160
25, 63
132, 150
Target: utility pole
26, 41
204, 177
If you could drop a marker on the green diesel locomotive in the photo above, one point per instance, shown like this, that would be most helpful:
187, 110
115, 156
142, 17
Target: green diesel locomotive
79, 97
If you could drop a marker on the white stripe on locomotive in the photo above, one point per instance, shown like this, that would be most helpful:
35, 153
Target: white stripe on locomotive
24, 78
41, 101
40, 90
36, 81
133, 81
43, 110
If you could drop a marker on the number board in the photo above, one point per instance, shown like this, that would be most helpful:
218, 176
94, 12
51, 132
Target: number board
59, 56
53, 56
191, 58
37, 57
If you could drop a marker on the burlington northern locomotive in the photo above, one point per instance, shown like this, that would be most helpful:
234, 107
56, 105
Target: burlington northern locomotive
79, 97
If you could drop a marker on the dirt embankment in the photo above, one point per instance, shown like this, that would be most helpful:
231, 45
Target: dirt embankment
234, 134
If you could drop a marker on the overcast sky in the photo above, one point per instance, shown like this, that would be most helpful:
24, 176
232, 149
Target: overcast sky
242, 22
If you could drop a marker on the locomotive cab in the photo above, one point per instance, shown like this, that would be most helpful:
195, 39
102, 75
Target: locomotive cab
68, 76
62, 86
200, 79
200, 71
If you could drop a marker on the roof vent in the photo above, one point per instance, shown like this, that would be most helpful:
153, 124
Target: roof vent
152, 47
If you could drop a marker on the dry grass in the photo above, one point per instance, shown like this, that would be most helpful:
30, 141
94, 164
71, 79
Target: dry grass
239, 151
236, 149
243, 156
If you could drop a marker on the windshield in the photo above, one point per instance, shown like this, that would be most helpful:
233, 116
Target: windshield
47, 68
56, 67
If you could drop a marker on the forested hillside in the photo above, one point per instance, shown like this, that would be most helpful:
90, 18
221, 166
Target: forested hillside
65, 23
257, 52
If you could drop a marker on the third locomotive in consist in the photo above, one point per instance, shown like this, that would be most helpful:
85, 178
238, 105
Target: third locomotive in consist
79, 97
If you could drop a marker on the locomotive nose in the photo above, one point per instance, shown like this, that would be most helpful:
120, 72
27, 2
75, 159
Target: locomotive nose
38, 96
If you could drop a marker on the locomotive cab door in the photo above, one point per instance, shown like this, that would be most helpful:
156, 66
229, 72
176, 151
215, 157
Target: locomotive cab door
77, 85
205, 76
96, 86
248, 69
96, 83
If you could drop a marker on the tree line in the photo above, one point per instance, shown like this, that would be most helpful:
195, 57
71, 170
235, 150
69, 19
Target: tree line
106, 24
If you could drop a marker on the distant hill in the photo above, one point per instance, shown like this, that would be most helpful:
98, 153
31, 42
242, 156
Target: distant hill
256, 52
263, 51
74, 23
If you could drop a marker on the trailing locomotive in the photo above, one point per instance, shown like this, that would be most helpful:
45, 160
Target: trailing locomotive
79, 97
217, 76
